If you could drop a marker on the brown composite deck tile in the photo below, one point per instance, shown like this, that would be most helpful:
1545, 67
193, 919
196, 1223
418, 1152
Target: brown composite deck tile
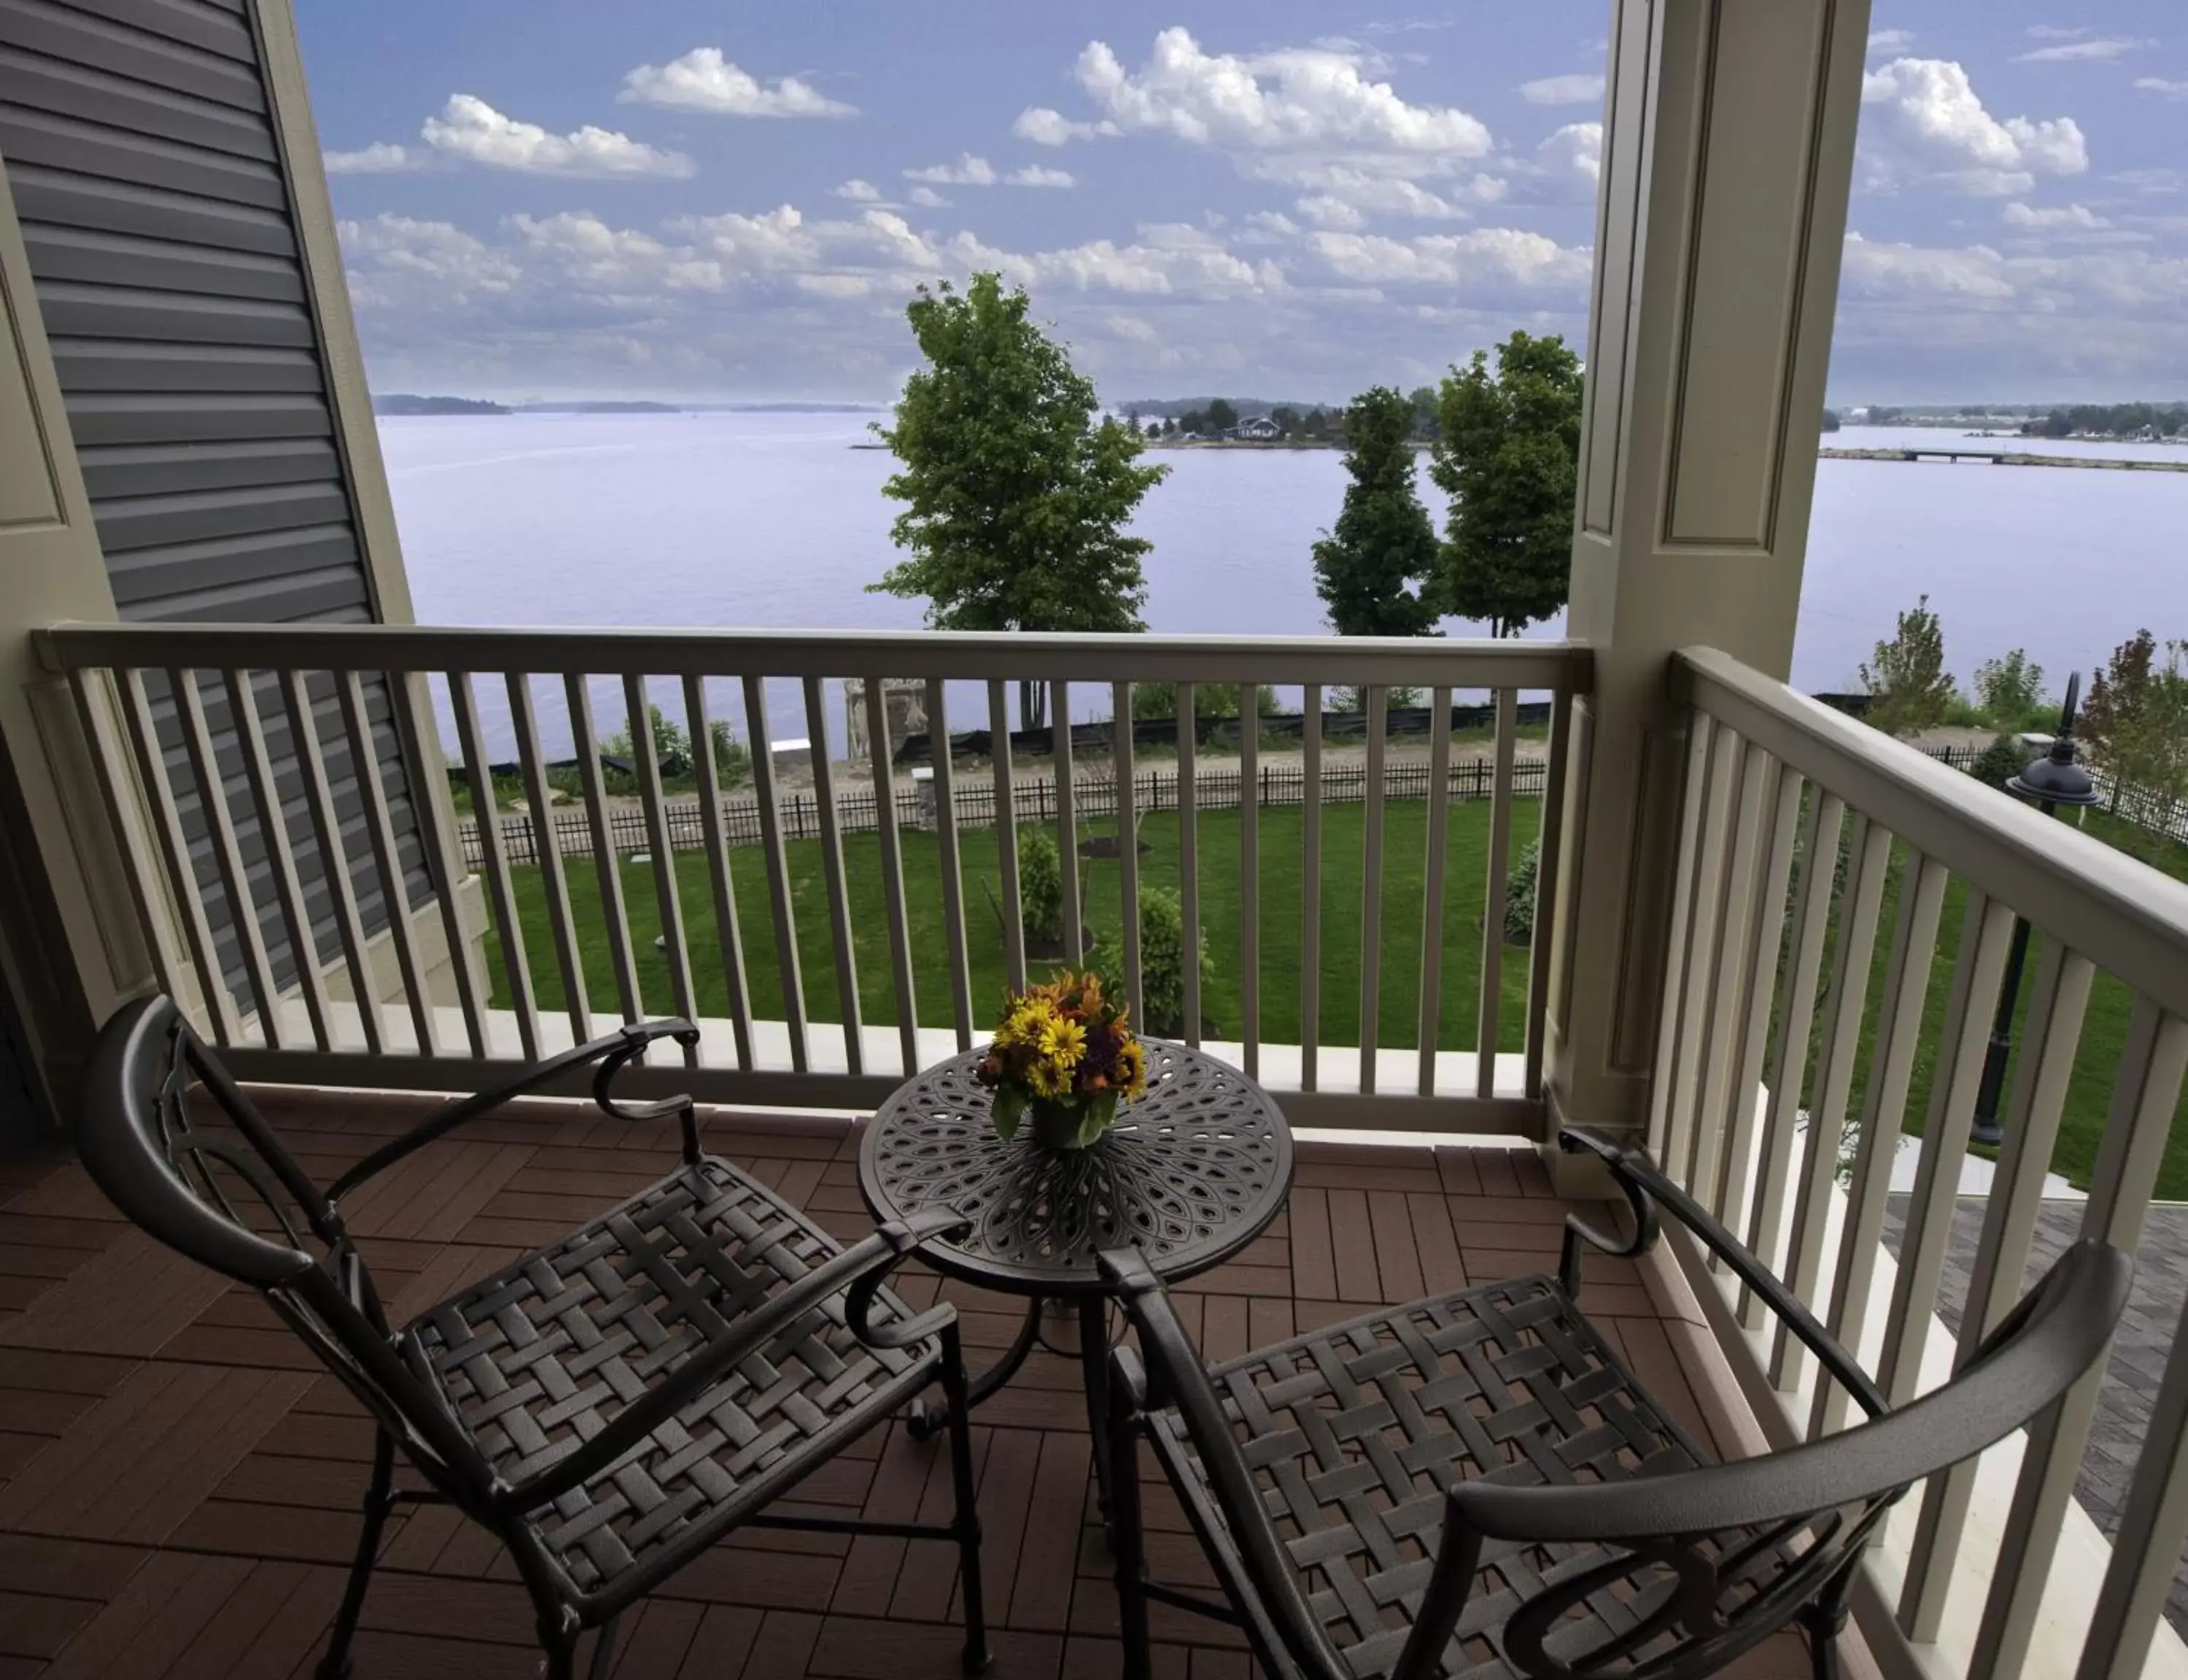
129, 1298
1397, 1256
1352, 1245
779, 1651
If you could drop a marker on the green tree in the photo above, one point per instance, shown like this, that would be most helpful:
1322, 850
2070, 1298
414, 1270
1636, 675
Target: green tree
1423, 399
1221, 416
1016, 498
2005, 758
1909, 686
1193, 420
1041, 888
2136, 722
1371, 570
1506, 454
2119, 697
2011, 690
1287, 419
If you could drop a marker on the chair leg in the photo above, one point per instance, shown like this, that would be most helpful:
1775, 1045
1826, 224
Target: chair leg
1127, 1545
334, 1665
956, 1395
604, 1649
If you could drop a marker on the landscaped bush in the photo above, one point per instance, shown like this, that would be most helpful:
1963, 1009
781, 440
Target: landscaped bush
2004, 757
1162, 962
1041, 888
732, 761
1519, 895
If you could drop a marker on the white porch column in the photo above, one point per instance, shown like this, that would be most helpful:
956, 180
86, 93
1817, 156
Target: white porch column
1727, 152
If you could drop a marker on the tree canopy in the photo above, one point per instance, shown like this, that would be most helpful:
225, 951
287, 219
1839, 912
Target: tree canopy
1909, 686
1507, 452
1016, 497
1371, 570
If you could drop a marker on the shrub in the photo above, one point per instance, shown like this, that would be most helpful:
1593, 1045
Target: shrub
1162, 962
672, 753
1519, 895
732, 761
2004, 757
2011, 690
1209, 700
1041, 886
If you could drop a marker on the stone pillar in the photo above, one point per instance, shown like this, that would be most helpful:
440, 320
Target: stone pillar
1727, 152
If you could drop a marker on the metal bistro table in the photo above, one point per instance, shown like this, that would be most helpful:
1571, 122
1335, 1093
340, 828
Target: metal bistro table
1190, 1173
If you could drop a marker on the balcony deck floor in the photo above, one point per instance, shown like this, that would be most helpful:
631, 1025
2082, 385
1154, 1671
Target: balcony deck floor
179, 1481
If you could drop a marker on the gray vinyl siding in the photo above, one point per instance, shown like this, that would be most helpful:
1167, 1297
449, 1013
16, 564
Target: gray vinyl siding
147, 178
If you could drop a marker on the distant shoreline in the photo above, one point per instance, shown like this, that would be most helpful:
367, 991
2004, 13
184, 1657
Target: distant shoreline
1944, 455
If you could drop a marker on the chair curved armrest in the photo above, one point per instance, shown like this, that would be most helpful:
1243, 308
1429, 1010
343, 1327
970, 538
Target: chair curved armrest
861, 1269
2057, 1332
613, 1051
1646, 1189
1175, 1376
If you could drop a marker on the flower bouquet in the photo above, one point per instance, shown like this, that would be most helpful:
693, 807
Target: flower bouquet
1065, 1054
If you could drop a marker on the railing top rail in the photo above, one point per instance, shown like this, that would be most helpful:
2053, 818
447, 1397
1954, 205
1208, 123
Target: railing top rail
1419, 662
2122, 915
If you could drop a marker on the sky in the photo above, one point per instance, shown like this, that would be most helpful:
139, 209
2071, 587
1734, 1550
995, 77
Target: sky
662, 198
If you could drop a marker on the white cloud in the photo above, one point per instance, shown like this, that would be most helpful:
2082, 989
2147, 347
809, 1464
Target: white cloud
1487, 257
1325, 211
2162, 87
2099, 50
1166, 259
1033, 175
1584, 88
703, 80
2020, 214
469, 129
1046, 127
379, 158
1924, 122
1576, 149
2052, 31
1343, 195
858, 191
928, 199
967, 171
1890, 40
1273, 222
1304, 99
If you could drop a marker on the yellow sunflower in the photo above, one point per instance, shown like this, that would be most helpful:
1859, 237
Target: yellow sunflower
1063, 1042
1048, 1080
1131, 1067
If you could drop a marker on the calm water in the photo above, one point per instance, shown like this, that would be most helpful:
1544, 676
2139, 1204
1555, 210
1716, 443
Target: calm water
742, 521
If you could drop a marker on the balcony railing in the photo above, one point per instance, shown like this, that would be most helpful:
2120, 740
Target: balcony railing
253, 754
1793, 1046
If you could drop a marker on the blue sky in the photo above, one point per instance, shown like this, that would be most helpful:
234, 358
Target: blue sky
662, 198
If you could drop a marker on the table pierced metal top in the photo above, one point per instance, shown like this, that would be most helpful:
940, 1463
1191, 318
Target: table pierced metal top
1191, 1173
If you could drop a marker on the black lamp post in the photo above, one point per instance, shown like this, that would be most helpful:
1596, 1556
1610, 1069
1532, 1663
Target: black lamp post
2052, 780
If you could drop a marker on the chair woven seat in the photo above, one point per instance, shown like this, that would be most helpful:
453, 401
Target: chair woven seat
544, 1354
1353, 1433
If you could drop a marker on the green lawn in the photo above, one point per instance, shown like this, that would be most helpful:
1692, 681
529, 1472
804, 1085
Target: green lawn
1282, 907
1282, 873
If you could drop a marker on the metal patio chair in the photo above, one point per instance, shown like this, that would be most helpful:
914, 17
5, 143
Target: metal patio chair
1477, 1485
608, 1406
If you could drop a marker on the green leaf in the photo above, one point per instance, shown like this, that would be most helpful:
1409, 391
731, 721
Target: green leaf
1008, 1110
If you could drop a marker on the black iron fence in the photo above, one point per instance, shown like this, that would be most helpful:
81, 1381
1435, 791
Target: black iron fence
1033, 800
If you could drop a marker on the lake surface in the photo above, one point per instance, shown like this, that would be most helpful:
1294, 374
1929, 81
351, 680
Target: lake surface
740, 520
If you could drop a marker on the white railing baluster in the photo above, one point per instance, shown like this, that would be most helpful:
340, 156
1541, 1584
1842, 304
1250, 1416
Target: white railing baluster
1548, 859
945, 845
2146, 1092
608, 865
1884, 1105
1963, 1046
175, 853
721, 878
407, 693
1697, 1007
96, 704
1719, 1050
787, 964
280, 855
1856, 944
494, 856
1006, 834
1757, 981
386, 858
1489, 1017
2052, 1032
1310, 885
1432, 870
1067, 821
667, 901
334, 859
1249, 876
1789, 1062
2153, 1529
1671, 1018
1188, 859
547, 847
841, 942
1128, 846
227, 854
1371, 888
907, 1007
